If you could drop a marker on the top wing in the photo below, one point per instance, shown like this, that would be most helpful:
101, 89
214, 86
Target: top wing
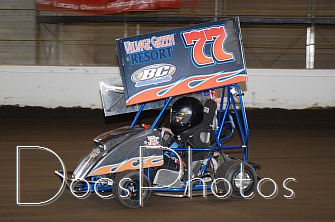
180, 61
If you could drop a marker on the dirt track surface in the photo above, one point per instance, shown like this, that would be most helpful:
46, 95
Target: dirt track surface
299, 144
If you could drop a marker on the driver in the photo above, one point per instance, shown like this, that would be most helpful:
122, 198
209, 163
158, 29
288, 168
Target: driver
186, 112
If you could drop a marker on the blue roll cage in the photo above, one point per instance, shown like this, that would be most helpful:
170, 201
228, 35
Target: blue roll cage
227, 108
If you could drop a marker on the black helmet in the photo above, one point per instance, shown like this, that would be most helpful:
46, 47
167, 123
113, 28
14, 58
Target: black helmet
186, 113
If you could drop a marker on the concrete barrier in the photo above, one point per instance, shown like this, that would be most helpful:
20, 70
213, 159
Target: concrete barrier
53, 86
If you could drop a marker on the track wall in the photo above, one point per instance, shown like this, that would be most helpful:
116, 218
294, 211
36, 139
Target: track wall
51, 86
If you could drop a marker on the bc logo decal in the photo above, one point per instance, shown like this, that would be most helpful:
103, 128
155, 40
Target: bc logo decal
197, 39
153, 74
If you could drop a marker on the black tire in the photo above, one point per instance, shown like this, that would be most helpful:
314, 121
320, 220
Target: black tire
222, 168
132, 201
230, 171
220, 173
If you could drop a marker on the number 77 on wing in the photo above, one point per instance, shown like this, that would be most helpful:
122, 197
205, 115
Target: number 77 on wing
199, 39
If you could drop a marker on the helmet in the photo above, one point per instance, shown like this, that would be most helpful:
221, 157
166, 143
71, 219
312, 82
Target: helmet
186, 113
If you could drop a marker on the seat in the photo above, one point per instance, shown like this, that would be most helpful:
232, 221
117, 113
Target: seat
199, 136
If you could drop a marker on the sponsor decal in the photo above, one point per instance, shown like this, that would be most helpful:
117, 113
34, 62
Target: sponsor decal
101, 7
152, 141
150, 49
153, 74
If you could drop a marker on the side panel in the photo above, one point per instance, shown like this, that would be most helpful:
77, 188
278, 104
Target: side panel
114, 101
126, 155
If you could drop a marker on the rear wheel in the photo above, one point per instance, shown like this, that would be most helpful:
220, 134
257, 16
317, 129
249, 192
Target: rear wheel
241, 181
126, 189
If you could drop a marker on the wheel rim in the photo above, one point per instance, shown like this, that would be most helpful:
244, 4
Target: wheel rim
132, 188
242, 180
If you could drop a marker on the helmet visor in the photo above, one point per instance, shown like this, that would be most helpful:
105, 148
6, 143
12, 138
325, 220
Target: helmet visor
181, 117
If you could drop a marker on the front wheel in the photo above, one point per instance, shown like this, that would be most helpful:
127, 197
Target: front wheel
126, 189
241, 176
